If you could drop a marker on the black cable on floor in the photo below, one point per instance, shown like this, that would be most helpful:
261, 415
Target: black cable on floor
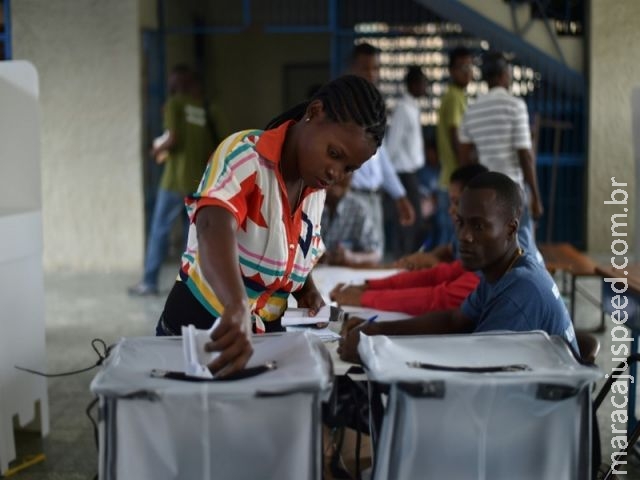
98, 346
93, 422
101, 349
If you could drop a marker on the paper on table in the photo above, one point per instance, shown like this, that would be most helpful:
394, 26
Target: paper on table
300, 316
195, 357
381, 316
325, 334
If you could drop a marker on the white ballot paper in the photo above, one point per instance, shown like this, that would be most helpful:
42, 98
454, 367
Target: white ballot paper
195, 357
300, 316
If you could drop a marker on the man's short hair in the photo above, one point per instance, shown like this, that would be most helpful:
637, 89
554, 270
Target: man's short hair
365, 49
414, 74
494, 64
457, 53
508, 194
463, 175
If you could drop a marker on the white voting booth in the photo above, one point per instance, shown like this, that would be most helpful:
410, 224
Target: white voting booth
22, 341
485, 406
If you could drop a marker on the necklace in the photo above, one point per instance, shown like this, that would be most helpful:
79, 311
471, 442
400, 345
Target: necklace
515, 258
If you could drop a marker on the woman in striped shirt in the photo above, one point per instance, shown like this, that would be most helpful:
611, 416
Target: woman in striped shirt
255, 218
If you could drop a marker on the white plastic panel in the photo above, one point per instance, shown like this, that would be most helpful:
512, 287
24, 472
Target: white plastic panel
22, 341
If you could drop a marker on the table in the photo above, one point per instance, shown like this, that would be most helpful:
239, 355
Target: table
565, 258
326, 278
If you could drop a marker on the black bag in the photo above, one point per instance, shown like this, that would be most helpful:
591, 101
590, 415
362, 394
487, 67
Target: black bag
348, 405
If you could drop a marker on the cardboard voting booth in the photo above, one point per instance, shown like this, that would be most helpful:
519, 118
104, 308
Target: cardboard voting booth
483, 406
265, 426
23, 396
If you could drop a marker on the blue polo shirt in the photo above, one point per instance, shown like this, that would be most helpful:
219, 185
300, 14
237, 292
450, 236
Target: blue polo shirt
523, 299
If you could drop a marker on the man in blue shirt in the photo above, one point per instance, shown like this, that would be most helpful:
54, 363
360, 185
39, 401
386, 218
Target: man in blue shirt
515, 292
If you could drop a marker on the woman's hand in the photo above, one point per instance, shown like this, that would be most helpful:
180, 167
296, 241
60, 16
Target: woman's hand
345, 294
232, 338
310, 299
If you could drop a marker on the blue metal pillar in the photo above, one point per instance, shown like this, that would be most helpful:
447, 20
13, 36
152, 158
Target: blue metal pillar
5, 37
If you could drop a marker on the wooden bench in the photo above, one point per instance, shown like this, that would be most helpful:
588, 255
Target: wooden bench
565, 258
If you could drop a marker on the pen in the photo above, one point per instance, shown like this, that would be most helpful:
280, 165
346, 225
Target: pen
368, 321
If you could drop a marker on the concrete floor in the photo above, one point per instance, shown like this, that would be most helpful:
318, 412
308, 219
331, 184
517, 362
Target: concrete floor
80, 308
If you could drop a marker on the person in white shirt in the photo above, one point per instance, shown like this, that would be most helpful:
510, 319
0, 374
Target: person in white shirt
378, 173
405, 144
497, 125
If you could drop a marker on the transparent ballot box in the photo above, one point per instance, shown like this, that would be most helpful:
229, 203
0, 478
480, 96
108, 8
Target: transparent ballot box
483, 406
264, 426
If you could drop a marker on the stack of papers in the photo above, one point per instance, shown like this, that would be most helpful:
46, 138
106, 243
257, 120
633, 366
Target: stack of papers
298, 319
325, 334
300, 316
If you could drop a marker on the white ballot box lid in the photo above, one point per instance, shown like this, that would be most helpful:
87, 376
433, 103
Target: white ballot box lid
476, 358
303, 364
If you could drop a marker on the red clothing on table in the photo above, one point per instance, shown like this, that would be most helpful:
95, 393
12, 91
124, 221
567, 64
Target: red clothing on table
442, 287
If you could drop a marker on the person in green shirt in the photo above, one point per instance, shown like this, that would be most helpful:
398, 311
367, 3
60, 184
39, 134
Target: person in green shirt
192, 131
452, 107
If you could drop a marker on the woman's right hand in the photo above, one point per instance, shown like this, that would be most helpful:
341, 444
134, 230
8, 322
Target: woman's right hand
232, 338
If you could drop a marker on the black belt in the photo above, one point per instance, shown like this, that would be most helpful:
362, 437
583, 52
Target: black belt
367, 191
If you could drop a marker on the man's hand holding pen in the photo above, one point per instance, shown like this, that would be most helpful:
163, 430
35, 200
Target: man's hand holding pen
348, 348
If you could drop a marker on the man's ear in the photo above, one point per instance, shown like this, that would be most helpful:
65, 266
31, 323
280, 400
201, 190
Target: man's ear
314, 109
513, 227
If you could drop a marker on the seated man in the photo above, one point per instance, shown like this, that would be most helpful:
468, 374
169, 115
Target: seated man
515, 292
347, 230
441, 287
447, 252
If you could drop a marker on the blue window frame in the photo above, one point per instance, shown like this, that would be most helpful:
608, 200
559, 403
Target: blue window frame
5, 29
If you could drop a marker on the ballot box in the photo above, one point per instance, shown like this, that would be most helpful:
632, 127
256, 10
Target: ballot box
482, 406
265, 426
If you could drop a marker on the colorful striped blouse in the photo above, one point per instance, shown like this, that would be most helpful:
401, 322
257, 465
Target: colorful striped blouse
277, 250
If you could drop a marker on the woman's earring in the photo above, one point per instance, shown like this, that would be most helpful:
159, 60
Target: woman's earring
307, 119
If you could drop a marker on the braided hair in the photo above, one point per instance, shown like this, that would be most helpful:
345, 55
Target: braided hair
346, 99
